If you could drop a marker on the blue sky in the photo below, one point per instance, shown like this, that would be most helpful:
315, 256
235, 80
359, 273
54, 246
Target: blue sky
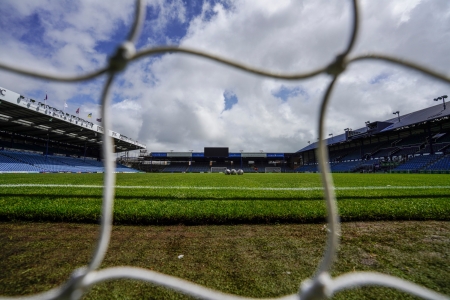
174, 101
284, 92
230, 99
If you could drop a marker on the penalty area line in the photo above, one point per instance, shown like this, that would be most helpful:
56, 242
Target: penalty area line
388, 187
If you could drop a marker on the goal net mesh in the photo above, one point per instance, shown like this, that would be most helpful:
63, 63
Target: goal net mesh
322, 284
272, 170
218, 169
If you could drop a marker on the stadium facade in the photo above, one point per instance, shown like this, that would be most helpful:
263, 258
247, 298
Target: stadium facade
37, 129
414, 142
199, 162
31, 125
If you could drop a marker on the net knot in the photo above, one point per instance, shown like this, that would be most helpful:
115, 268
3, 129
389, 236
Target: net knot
124, 52
74, 289
316, 288
338, 66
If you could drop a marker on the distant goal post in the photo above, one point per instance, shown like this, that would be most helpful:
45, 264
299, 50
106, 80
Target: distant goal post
218, 169
272, 170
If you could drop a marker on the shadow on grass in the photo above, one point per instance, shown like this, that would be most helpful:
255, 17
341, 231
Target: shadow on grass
213, 220
240, 198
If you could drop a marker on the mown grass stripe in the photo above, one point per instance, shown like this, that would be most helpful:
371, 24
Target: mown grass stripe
389, 187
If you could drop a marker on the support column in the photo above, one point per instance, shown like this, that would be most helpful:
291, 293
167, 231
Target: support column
46, 150
85, 148
430, 139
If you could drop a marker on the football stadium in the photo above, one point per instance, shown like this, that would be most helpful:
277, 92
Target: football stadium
37, 138
88, 213
395, 175
417, 142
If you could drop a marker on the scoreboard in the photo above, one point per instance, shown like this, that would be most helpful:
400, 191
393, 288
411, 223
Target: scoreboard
216, 151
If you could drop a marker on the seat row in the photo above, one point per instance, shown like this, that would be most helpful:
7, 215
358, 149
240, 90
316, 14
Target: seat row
14, 161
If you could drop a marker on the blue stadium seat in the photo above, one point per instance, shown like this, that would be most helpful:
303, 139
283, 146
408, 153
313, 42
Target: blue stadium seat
417, 163
14, 161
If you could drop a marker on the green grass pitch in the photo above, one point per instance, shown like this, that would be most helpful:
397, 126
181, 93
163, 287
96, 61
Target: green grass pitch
218, 199
269, 259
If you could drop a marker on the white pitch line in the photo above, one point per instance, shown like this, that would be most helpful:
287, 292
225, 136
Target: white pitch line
228, 187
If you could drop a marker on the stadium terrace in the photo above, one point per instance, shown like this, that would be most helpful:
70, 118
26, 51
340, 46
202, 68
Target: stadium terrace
35, 137
412, 143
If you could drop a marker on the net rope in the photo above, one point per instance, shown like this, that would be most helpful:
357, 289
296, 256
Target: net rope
321, 284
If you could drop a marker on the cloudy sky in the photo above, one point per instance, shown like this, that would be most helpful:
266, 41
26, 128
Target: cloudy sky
179, 102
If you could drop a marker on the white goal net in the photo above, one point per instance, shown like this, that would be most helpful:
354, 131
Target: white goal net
322, 284
272, 170
218, 169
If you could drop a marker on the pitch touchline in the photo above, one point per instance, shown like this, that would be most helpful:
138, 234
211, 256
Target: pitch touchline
229, 187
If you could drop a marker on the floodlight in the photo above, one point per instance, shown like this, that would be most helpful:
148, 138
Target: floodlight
398, 114
441, 98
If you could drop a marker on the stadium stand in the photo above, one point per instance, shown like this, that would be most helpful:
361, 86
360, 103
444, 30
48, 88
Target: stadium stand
307, 169
444, 138
415, 142
405, 151
36, 137
384, 152
345, 166
369, 150
61, 142
87, 165
16, 161
248, 169
411, 140
337, 154
9, 164
355, 155
199, 169
417, 163
44, 163
176, 168
442, 164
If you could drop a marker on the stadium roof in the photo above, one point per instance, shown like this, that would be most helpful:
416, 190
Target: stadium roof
25, 116
420, 117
